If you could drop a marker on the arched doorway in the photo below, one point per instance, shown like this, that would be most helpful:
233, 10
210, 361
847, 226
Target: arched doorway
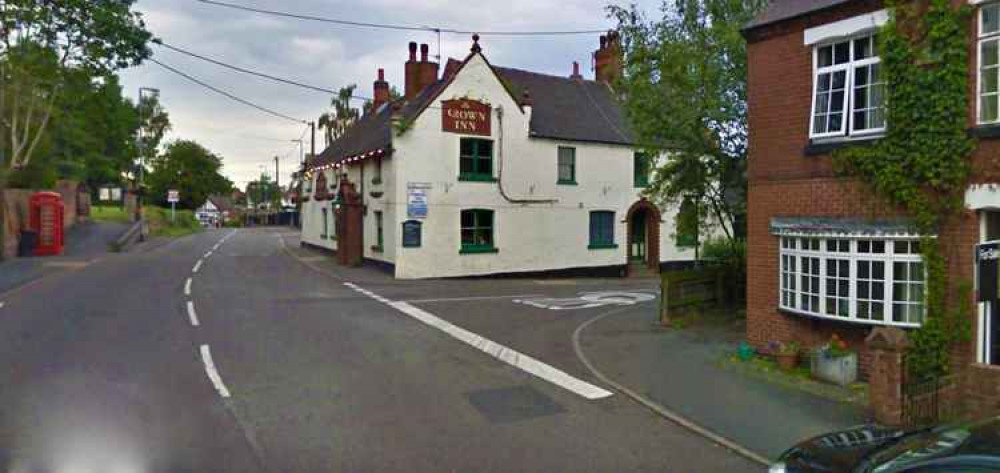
643, 237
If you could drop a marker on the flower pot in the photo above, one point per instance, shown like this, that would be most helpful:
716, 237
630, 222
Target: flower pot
787, 361
842, 370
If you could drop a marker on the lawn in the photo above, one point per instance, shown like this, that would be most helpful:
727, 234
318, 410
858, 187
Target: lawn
160, 224
109, 213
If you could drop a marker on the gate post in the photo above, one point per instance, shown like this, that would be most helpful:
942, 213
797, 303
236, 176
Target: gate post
887, 346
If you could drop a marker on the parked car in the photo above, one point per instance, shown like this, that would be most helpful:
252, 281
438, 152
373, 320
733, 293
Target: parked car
971, 447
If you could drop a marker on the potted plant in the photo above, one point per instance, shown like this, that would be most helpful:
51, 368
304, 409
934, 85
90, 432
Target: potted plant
835, 363
787, 354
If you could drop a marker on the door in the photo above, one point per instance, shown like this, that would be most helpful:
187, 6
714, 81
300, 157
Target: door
637, 247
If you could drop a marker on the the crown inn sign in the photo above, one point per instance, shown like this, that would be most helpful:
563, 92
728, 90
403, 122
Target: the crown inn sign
467, 117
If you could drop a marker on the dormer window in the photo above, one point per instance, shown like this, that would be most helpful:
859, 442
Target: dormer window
848, 89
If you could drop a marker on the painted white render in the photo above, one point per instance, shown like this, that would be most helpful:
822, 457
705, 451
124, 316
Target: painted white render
528, 236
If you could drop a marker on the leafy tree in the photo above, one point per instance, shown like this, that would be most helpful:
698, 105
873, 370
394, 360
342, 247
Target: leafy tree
39, 41
684, 88
191, 169
340, 118
154, 124
264, 191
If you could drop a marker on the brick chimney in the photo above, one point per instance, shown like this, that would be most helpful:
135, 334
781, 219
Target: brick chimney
576, 71
428, 69
608, 59
381, 91
412, 71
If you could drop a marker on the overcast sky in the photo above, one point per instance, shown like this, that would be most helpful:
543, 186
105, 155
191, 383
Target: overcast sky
329, 56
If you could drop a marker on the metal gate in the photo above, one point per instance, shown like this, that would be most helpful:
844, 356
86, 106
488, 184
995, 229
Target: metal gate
929, 401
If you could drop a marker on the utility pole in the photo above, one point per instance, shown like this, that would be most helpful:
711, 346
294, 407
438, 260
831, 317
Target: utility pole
312, 143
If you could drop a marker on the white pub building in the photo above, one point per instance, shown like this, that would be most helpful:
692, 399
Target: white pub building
490, 170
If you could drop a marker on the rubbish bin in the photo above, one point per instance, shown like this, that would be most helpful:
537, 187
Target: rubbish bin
26, 245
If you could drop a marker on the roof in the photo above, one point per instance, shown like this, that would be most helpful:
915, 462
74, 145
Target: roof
221, 202
562, 108
571, 109
780, 10
841, 226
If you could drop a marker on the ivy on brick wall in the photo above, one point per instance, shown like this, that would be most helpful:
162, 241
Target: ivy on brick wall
923, 163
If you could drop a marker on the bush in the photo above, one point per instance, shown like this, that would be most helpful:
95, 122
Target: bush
184, 222
732, 255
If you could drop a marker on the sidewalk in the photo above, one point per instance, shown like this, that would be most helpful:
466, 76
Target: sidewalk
84, 242
682, 371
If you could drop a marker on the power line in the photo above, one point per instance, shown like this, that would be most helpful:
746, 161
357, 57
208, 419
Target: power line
387, 26
227, 94
254, 73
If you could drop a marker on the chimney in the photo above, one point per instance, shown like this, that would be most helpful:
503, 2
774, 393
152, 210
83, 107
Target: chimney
576, 71
428, 70
381, 95
608, 59
451, 68
412, 71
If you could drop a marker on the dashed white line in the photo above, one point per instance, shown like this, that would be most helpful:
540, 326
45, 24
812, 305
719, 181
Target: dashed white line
507, 355
208, 254
197, 266
2, 304
191, 314
213, 374
476, 298
187, 287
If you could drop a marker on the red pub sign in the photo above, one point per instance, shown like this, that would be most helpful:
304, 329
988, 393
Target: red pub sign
466, 116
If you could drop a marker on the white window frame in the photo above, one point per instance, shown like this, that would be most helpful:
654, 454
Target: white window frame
888, 258
847, 125
980, 39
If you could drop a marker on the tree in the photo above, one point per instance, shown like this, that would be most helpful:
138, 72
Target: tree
337, 121
191, 169
684, 87
264, 191
39, 41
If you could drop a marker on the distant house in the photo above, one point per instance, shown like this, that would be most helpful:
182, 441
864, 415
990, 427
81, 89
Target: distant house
490, 170
216, 211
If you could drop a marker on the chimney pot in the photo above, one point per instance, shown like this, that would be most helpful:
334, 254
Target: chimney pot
604, 41
413, 50
423, 52
576, 71
381, 75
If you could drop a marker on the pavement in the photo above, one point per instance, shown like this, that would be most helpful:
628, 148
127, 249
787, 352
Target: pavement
239, 351
85, 242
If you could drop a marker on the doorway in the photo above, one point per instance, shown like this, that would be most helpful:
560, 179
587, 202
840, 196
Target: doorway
638, 230
643, 225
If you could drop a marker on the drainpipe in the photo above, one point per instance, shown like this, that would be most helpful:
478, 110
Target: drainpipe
503, 193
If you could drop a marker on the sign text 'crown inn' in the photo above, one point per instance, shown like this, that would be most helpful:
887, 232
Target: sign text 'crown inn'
466, 116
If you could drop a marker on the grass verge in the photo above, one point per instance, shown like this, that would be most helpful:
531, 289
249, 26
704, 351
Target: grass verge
108, 213
160, 223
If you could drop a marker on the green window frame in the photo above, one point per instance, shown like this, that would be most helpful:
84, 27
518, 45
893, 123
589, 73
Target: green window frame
379, 232
323, 234
566, 171
641, 169
475, 160
477, 227
602, 230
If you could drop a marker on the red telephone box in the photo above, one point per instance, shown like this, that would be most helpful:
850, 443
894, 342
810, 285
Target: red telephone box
47, 221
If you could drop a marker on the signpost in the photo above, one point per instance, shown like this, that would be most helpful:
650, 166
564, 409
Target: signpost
173, 196
416, 199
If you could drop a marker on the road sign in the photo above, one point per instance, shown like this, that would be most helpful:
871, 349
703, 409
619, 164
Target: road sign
173, 196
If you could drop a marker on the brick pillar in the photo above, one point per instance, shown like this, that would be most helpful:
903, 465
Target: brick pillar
887, 346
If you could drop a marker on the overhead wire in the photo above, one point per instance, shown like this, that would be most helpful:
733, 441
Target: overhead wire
388, 26
227, 94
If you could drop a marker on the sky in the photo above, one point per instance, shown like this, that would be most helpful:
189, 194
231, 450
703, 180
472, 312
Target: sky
329, 56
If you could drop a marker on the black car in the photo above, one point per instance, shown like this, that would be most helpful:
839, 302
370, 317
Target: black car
972, 447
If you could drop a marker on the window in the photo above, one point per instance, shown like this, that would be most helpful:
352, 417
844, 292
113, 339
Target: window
477, 231
377, 178
379, 232
989, 63
322, 233
602, 230
476, 160
687, 225
849, 89
853, 279
641, 169
567, 165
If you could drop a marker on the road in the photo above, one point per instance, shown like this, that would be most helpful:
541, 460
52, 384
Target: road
234, 351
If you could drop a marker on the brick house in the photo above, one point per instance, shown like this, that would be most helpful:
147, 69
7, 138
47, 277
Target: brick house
825, 256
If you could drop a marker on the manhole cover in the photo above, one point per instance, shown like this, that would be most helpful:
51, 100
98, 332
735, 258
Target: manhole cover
513, 404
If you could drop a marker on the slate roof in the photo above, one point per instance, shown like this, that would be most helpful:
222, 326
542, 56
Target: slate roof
780, 10
221, 202
562, 108
840, 226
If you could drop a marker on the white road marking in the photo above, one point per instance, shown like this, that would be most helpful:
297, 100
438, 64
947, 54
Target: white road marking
197, 266
191, 314
187, 287
588, 300
208, 254
479, 298
213, 374
507, 355
2, 304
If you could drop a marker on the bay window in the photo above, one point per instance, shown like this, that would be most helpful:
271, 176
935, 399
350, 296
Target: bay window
854, 279
989, 63
848, 89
